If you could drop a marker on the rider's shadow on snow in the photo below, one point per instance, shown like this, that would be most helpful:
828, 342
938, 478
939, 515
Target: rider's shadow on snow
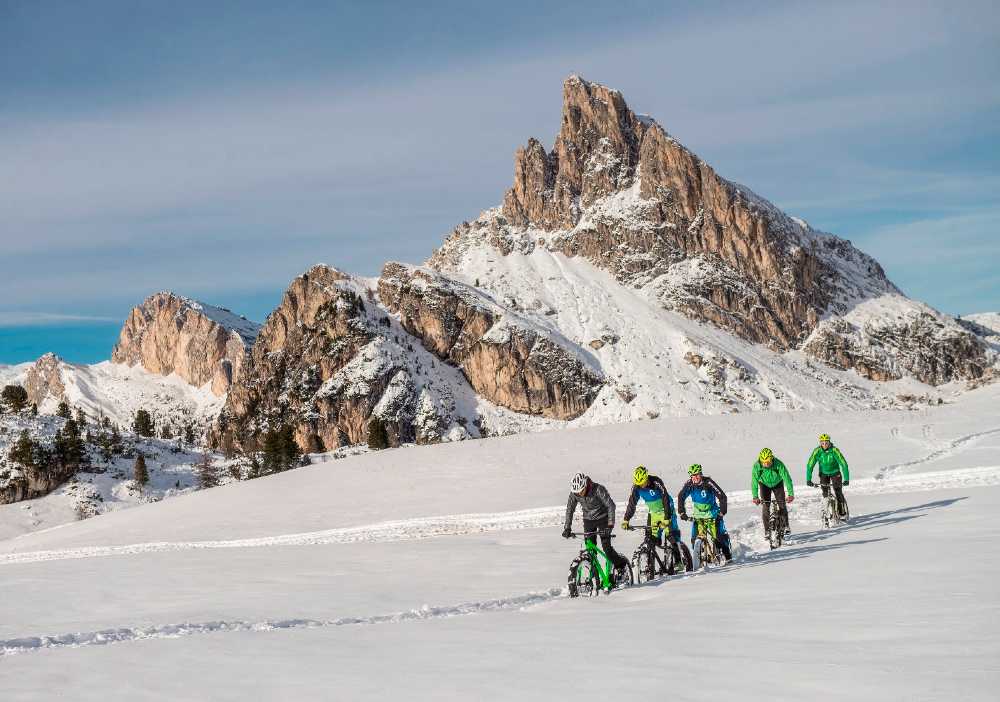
875, 520
791, 552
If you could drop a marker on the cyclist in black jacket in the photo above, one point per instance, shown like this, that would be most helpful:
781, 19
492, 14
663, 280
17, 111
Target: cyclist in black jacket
598, 515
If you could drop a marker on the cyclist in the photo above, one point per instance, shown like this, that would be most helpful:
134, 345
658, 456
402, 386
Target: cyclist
598, 516
770, 481
709, 501
832, 471
660, 506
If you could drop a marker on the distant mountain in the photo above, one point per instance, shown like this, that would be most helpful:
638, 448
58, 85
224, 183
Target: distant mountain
621, 278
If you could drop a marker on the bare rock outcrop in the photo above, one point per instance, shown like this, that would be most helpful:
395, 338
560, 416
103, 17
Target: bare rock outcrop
505, 360
618, 190
43, 380
329, 360
202, 344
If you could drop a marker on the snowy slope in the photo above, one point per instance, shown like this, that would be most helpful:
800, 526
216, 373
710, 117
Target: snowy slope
660, 362
990, 323
116, 391
457, 589
105, 485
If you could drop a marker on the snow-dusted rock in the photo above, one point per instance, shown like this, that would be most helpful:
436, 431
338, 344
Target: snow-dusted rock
622, 193
507, 360
202, 344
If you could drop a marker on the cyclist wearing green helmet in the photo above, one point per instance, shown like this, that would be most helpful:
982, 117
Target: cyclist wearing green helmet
709, 501
833, 471
770, 481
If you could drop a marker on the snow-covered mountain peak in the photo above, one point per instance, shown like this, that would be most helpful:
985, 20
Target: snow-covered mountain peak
621, 193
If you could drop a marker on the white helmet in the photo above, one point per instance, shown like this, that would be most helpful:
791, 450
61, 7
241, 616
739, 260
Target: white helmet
579, 483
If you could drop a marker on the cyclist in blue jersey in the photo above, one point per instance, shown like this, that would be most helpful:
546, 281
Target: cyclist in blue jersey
709, 501
660, 505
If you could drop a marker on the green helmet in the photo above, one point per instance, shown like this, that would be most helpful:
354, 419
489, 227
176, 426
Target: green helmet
640, 475
695, 469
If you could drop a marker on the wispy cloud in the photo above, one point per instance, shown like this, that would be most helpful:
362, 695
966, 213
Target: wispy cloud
32, 319
810, 105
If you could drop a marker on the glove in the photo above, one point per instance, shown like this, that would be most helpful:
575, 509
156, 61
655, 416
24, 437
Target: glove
810, 483
756, 500
846, 483
567, 533
790, 498
684, 516
625, 525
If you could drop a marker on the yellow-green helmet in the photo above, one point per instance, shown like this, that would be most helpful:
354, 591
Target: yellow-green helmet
765, 454
640, 475
694, 469
824, 437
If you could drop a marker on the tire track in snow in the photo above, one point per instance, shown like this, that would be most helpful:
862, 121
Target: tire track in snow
105, 637
463, 524
948, 449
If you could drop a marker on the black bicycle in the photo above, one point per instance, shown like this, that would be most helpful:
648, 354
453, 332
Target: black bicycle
647, 563
831, 512
776, 523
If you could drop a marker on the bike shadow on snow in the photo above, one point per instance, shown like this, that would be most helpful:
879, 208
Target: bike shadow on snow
875, 520
808, 543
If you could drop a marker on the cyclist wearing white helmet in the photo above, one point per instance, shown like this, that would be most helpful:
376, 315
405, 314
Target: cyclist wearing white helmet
598, 511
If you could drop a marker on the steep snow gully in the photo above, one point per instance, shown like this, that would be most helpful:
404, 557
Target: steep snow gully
749, 547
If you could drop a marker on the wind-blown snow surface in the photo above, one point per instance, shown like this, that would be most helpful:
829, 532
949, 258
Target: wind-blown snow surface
437, 573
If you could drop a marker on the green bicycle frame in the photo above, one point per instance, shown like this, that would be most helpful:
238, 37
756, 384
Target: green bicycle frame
603, 570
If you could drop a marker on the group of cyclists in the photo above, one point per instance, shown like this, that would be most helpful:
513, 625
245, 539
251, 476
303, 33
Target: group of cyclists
770, 483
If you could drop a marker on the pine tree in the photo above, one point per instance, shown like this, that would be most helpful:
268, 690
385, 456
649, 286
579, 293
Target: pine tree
139, 471
23, 450
143, 424
63, 410
166, 432
81, 417
207, 471
69, 446
34, 409
189, 435
281, 451
14, 397
378, 438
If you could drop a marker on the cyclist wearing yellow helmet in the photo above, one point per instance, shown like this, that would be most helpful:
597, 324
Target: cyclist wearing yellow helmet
833, 471
660, 506
708, 501
770, 481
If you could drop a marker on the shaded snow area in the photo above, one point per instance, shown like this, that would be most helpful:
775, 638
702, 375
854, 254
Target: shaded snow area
659, 362
309, 585
105, 485
986, 325
117, 391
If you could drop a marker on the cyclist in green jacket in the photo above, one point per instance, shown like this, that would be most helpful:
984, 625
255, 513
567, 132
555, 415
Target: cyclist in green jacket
770, 480
833, 471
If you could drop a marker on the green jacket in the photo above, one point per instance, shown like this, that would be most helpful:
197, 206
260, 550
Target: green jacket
831, 461
770, 477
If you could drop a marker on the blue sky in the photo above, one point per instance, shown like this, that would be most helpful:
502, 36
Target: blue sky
219, 149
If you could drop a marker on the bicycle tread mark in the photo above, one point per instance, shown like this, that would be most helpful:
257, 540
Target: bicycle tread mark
951, 446
458, 525
105, 637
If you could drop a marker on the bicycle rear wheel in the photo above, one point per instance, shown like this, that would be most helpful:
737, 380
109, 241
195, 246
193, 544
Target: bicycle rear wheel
583, 578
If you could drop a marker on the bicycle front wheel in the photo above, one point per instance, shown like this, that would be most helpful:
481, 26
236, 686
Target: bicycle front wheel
644, 564
583, 578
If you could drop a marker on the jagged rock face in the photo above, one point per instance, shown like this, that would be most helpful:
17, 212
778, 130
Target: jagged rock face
922, 346
201, 344
509, 364
44, 380
327, 361
617, 190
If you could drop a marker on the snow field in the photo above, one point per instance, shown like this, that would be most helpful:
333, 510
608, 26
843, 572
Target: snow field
269, 589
